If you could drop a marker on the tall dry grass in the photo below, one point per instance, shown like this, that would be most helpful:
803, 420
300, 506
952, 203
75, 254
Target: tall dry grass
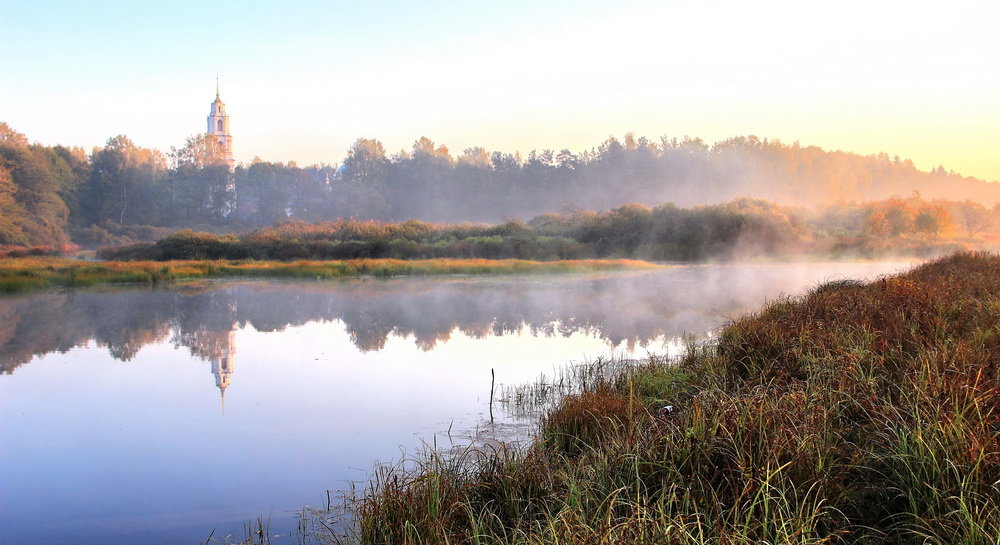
858, 413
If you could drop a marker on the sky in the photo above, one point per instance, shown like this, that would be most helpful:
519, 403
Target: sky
302, 80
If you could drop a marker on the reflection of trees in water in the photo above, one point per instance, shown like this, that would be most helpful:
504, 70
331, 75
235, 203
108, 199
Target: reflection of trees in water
630, 308
202, 320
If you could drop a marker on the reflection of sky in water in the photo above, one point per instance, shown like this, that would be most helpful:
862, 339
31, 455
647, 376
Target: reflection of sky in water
326, 378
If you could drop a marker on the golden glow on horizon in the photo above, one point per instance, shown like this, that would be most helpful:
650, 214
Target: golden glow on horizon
680, 69
865, 77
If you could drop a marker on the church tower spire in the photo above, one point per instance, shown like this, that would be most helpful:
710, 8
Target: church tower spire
218, 126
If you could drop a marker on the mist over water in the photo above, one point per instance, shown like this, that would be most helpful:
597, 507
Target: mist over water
155, 416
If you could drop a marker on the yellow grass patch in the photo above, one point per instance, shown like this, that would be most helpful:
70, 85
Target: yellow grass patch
21, 274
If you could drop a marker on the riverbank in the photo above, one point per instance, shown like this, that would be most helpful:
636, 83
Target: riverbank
858, 413
30, 273
741, 229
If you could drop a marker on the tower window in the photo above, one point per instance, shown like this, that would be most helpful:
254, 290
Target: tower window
220, 125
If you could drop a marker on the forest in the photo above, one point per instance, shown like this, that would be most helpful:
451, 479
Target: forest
121, 193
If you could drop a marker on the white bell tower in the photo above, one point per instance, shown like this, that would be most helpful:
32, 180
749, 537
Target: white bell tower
218, 126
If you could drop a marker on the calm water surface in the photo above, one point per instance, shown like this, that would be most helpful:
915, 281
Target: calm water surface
155, 416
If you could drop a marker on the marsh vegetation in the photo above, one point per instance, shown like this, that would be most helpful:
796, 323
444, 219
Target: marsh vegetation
24, 274
740, 229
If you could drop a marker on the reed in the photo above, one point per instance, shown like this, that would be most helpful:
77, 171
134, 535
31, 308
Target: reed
857, 413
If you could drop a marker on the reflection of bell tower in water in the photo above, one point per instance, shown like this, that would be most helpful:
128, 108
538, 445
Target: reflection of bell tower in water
222, 364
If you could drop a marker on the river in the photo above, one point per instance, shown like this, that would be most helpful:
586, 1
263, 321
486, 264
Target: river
157, 416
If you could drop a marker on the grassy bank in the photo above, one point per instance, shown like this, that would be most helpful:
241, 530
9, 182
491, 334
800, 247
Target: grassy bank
858, 413
23, 274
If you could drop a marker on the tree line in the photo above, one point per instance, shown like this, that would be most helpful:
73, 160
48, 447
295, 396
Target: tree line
122, 192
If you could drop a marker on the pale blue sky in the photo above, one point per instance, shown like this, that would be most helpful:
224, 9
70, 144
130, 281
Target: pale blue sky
302, 80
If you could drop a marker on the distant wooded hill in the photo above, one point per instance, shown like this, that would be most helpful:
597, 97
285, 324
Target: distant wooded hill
121, 192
